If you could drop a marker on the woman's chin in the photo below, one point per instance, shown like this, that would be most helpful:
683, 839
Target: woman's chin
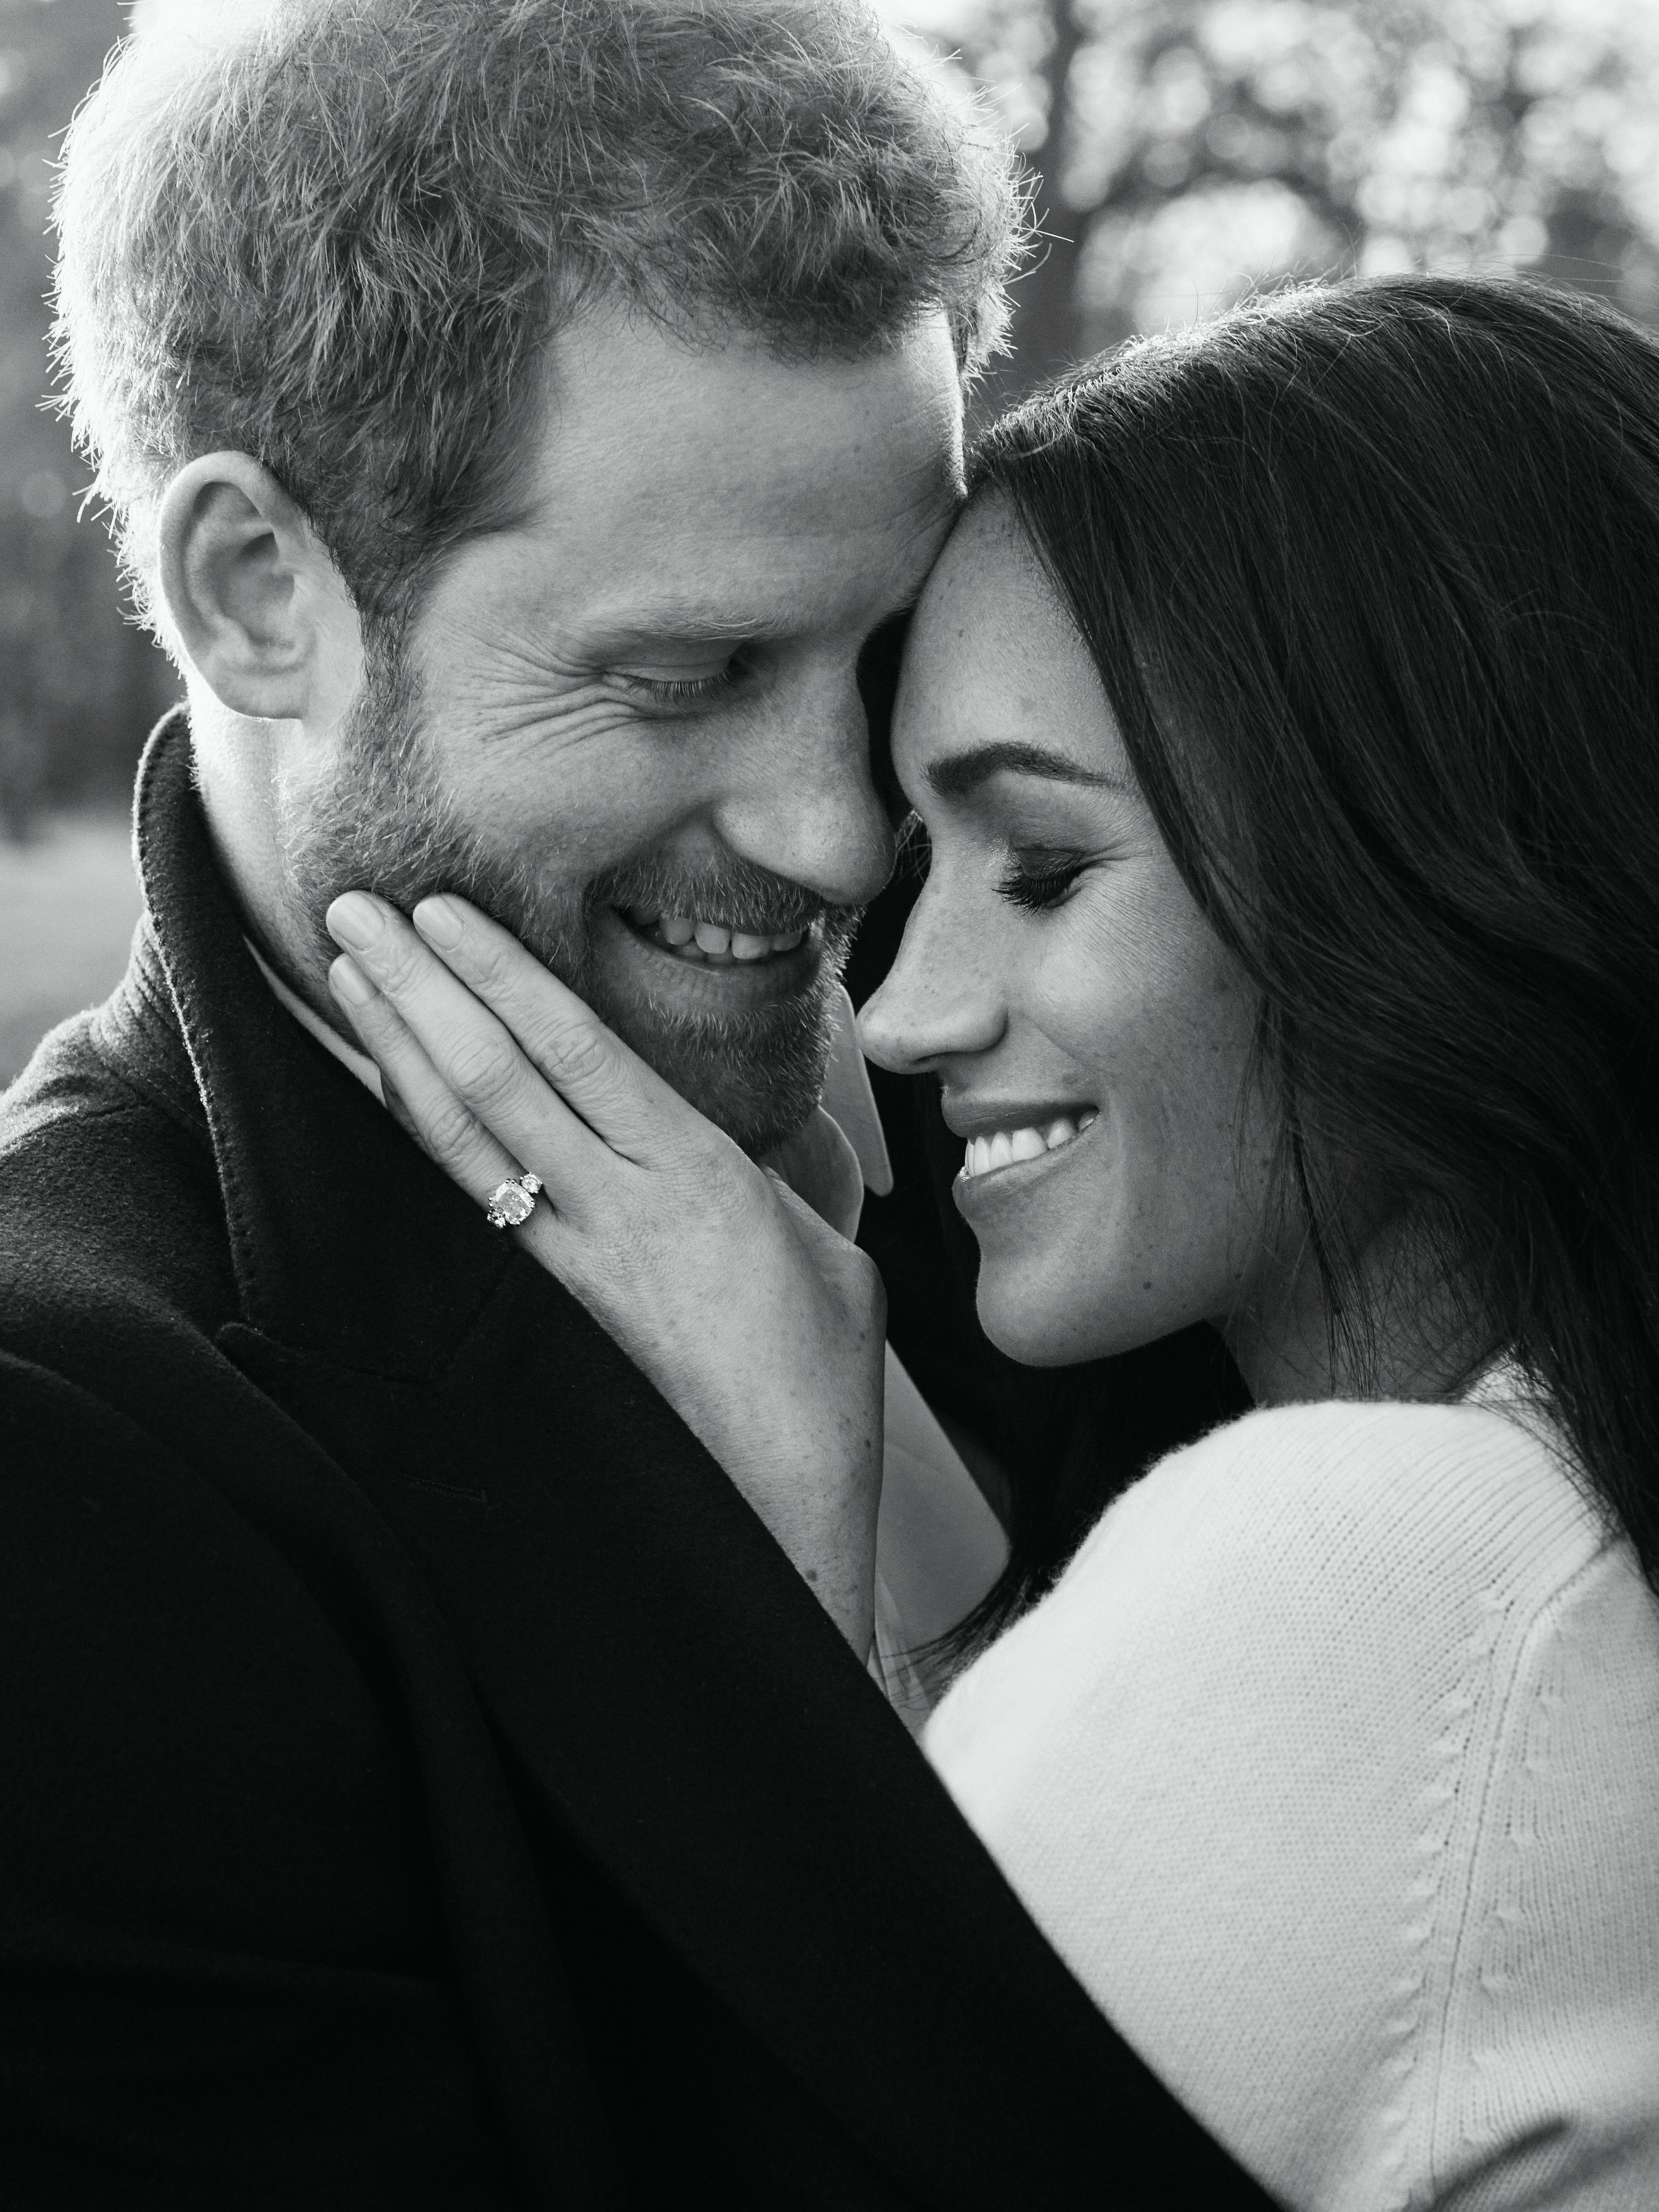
1022, 1317
1025, 1320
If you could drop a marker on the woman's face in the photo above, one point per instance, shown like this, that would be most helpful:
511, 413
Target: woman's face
1091, 1035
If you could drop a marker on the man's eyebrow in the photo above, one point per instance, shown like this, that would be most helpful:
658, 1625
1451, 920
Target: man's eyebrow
695, 621
961, 773
684, 624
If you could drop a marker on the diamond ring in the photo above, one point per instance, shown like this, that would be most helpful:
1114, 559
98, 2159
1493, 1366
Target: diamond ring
513, 1201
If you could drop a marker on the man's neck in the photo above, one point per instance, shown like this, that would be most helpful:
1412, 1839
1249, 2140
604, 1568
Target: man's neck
238, 765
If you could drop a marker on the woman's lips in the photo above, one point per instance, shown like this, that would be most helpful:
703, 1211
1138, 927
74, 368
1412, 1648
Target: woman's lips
1013, 1158
1029, 1141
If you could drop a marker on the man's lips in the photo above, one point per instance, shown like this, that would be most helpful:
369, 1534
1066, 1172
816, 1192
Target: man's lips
694, 938
706, 975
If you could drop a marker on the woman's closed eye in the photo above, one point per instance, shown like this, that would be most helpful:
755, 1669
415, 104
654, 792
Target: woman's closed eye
1039, 877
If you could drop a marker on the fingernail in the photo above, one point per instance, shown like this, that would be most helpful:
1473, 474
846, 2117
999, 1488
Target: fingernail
355, 918
438, 923
347, 980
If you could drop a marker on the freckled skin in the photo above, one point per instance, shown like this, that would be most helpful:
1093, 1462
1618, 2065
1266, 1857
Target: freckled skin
1119, 997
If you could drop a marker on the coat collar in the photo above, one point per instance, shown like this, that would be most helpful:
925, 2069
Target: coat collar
659, 1678
346, 1240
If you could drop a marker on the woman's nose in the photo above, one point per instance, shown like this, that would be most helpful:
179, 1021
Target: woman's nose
939, 1001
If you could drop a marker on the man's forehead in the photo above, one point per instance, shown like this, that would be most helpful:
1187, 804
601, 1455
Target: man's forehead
700, 586
693, 562
665, 505
639, 421
719, 493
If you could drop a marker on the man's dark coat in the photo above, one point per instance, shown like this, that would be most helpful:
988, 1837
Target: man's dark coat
425, 1782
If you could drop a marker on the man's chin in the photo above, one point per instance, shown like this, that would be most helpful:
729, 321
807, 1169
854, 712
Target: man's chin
747, 1044
758, 1075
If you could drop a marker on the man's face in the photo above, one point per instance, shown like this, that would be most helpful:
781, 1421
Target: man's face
628, 723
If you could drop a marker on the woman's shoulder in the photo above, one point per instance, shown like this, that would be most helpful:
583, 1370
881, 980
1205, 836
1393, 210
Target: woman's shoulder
1427, 1498
1323, 1580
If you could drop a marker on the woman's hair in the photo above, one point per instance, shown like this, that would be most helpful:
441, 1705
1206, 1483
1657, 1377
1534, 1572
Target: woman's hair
1370, 573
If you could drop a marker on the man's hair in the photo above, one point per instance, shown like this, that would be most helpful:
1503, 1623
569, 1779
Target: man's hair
341, 240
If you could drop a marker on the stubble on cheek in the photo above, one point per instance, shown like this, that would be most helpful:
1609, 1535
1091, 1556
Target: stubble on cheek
386, 823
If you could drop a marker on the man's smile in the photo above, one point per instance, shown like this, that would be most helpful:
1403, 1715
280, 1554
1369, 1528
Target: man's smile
705, 967
694, 939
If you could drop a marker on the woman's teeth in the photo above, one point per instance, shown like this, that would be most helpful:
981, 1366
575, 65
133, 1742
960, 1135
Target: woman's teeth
984, 1154
710, 942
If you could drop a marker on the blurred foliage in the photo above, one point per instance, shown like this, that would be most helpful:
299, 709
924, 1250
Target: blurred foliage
79, 683
1188, 150
1185, 150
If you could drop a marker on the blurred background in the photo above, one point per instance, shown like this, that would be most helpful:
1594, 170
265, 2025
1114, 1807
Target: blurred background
1185, 151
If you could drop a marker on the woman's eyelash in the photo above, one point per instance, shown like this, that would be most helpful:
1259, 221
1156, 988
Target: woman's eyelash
1039, 882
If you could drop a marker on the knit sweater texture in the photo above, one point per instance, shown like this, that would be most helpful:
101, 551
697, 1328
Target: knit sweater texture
1331, 1768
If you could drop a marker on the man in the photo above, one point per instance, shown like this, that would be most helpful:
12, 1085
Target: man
427, 1783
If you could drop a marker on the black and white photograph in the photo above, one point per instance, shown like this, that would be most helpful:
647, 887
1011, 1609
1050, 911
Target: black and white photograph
829, 1105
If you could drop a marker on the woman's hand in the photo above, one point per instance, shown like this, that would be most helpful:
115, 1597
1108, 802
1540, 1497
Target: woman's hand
761, 1326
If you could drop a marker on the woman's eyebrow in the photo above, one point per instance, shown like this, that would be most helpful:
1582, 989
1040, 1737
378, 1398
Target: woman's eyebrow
960, 773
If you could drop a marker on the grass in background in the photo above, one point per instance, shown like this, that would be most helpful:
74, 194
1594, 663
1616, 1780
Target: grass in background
68, 904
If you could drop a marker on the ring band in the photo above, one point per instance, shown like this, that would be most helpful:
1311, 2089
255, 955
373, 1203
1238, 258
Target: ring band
512, 1202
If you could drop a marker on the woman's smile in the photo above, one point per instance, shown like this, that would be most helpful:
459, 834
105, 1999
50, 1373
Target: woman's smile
1000, 1139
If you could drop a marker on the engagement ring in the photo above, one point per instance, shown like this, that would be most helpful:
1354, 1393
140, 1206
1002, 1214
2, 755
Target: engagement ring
513, 1201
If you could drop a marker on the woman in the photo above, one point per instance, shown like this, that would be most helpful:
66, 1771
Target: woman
1284, 719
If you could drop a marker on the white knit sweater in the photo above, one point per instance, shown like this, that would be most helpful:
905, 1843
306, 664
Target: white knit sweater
1331, 1767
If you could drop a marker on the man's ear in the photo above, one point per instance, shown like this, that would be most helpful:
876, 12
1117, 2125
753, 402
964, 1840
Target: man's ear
254, 601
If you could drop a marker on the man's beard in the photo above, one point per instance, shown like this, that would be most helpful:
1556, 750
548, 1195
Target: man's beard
387, 824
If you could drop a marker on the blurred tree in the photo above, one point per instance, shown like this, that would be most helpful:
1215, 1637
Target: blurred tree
1186, 149
79, 683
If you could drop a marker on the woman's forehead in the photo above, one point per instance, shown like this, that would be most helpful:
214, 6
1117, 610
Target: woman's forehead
993, 658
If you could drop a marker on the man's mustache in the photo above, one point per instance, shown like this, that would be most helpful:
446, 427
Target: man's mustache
736, 894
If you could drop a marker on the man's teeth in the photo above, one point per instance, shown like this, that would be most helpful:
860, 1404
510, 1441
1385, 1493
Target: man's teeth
1006, 1146
711, 942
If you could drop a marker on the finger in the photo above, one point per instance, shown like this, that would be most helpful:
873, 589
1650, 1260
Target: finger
440, 1123
475, 1055
616, 1092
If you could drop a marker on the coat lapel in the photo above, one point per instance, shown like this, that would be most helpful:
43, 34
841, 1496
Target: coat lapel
662, 1678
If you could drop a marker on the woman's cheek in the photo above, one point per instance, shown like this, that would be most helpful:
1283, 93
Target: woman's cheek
1159, 1021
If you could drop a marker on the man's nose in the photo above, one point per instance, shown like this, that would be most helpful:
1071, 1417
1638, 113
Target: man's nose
941, 1000
803, 804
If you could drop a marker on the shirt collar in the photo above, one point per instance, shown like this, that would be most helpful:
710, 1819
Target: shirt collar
330, 1039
